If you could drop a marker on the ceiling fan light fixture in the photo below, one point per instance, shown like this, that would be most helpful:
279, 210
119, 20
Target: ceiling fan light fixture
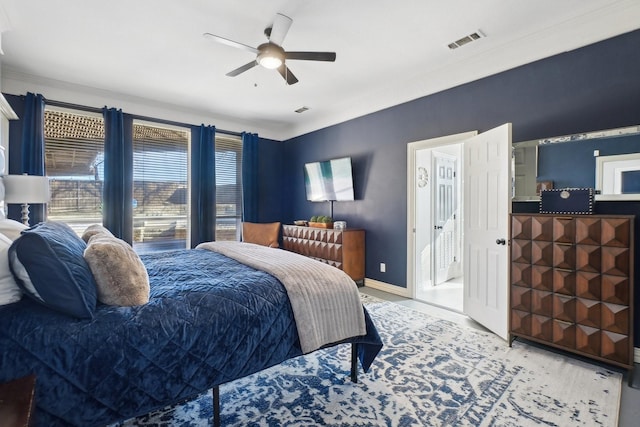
270, 62
270, 56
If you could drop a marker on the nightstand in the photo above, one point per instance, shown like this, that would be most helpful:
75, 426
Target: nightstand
17, 399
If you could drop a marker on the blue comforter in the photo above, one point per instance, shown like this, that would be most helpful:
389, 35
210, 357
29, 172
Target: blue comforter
209, 320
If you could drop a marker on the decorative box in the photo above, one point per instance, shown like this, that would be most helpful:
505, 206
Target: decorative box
321, 224
574, 201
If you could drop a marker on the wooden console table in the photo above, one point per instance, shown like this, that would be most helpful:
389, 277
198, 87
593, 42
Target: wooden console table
343, 249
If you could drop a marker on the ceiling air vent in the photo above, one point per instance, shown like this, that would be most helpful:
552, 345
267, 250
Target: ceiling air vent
466, 39
301, 109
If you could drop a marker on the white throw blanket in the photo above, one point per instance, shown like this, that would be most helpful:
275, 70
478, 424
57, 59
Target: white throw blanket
325, 301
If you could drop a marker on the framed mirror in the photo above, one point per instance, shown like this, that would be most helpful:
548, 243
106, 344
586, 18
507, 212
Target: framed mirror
607, 160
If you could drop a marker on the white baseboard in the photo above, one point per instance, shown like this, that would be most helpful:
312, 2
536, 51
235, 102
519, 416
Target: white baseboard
636, 354
387, 287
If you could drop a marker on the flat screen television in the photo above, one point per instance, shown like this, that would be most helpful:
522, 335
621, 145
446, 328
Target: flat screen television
329, 180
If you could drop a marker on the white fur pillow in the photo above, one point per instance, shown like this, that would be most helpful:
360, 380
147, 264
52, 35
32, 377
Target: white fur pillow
120, 276
94, 229
11, 228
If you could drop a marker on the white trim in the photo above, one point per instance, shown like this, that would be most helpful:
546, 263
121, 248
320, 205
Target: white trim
6, 110
386, 287
615, 197
636, 355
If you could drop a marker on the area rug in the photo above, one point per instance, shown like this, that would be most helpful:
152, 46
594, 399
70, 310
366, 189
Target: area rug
431, 372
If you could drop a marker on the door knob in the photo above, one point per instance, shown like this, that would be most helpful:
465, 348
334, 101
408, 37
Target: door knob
501, 242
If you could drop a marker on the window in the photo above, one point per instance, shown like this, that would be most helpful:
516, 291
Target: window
160, 186
74, 163
228, 187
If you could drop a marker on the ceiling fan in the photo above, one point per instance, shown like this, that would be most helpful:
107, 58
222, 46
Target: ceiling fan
271, 54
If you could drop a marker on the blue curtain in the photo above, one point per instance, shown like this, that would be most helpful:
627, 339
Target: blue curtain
33, 146
117, 194
250, 193
203, 184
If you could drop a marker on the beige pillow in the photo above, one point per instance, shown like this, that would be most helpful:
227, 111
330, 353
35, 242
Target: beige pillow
94, 229
11, 228
121, 278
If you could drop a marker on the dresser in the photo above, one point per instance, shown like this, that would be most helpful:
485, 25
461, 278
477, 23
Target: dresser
572, 283
343, 249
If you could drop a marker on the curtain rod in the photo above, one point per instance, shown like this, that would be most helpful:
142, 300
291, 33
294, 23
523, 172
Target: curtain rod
135, 116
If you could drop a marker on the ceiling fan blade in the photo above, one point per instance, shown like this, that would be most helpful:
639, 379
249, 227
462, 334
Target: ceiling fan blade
311, 56
242, 69
286, 74
231, 43
280, 28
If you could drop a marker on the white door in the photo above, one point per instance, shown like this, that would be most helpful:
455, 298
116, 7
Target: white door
487, 205
443, 203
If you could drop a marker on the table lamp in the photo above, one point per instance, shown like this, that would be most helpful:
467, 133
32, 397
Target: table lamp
25, 189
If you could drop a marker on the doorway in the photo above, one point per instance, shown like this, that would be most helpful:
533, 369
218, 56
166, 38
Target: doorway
438, 236
457, 223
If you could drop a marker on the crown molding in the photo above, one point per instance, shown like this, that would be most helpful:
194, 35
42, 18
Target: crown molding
18, 83
6, 110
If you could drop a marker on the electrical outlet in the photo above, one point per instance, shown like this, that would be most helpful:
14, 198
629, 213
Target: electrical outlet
383, 267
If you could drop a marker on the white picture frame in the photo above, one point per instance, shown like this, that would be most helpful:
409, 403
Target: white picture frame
609, 171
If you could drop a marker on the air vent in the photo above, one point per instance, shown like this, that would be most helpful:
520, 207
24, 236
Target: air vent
302, 109
466, 39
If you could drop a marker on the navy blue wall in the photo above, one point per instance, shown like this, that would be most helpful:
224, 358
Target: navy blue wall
592, 88
572, 164
271, 164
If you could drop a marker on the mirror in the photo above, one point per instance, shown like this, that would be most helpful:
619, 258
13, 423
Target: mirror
618, 177
607, 160
524, 168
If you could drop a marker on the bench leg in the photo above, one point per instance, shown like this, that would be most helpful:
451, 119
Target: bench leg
354, 362
216, 406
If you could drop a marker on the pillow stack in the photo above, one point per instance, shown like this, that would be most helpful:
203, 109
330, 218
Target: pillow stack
50, 264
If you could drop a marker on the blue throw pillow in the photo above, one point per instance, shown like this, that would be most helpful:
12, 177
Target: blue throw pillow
48, 264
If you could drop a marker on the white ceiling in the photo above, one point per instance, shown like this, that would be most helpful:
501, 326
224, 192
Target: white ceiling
152, 52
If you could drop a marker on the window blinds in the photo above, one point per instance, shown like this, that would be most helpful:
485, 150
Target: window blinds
160, 183
228, 186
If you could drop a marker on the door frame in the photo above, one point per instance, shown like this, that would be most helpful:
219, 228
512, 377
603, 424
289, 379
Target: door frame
412, 148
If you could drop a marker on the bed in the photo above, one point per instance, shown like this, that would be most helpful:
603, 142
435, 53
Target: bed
209, 319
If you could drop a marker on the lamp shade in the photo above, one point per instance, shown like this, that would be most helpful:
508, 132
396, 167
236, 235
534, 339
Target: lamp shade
26, 189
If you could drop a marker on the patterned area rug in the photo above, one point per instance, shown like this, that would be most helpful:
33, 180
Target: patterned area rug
431, 372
